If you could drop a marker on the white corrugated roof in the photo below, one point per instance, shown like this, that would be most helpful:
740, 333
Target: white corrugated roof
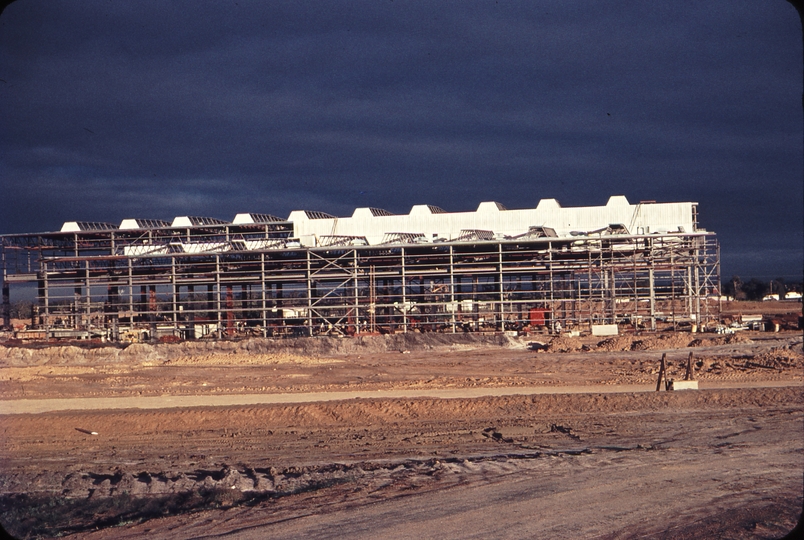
432, 222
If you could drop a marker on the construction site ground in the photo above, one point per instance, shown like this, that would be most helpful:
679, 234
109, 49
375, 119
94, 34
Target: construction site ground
404, 436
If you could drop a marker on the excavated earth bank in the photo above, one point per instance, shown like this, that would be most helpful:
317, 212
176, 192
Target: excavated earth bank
712, 463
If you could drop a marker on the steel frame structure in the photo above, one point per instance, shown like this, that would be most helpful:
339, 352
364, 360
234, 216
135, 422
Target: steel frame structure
226, 280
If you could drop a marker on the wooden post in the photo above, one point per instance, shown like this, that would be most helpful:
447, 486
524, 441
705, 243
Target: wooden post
690, 373
662, 373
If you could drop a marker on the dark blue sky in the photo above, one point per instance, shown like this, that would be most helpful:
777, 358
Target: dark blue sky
156, 109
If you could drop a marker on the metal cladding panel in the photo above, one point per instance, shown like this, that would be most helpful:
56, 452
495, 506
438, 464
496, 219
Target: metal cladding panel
638, 218
667, 217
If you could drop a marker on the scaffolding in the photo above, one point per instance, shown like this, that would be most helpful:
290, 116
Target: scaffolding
222, 280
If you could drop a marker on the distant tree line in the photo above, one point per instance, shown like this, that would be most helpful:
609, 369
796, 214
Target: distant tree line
756, 289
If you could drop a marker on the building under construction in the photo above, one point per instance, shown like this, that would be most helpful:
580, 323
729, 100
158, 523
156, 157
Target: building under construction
544, 269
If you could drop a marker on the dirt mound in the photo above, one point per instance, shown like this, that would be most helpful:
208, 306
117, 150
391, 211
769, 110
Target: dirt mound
736, 338
730, 339
616, 343
250, 351
660, 342
412, 341
249, 360
676, 340
564, 344
775, 360
779, 359
641, 345
644, 343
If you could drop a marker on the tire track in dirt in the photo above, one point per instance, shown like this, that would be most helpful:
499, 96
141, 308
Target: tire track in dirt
189, 460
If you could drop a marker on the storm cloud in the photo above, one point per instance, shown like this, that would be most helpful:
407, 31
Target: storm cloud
158, 109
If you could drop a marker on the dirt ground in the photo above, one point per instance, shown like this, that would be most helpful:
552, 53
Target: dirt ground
418, 363
723, 461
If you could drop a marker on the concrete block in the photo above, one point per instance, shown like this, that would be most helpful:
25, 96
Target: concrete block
605, 330
683, 385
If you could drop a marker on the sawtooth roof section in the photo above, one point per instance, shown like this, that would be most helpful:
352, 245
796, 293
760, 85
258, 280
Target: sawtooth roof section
549, 217
426, 209
469, 235
402, 238
83, 226
380, 212
370, 213
548, 204
618, 200
143, 223
491, 206
196, 221
314, 214
251, 218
